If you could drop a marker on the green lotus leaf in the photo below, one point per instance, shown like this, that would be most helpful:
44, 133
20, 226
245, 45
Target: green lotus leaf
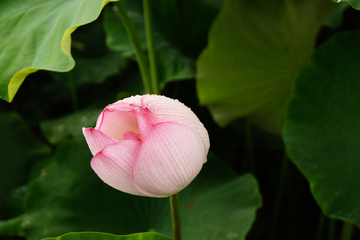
322, 126
37, 35
254, 55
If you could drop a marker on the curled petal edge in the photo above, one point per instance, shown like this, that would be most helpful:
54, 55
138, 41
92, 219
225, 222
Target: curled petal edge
97, 140
114, 165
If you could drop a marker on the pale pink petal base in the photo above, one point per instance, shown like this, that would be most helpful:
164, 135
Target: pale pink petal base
97, 140
163, 109
116, 123
144, 120
169, 159
114, 165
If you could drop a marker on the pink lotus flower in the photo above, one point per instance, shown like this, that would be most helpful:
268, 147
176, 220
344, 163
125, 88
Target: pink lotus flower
147, 145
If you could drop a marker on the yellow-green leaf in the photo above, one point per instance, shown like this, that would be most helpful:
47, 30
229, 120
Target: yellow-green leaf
255, 51
37, 35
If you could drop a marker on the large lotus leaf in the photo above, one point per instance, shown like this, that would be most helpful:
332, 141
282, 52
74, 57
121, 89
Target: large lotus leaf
254, 55
68, 197
18, 151
105, 236
181, 29
322, 126
37, 35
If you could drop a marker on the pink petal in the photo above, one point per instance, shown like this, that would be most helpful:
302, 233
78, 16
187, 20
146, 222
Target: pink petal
115, 123
126, 104
145, 121
131, 136
168, 160
97, 140
165, 109
114, 165
143, 115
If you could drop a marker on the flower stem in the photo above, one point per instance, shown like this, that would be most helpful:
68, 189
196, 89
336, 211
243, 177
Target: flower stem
175, 215
150, 40
347, 231
134, 39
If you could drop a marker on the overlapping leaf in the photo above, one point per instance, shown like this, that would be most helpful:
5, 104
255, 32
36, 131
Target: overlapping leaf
354, 3
68, 197
322, 126
180, 30
36, 35
253, 56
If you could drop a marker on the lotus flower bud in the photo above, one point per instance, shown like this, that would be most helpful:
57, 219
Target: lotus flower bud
147, 145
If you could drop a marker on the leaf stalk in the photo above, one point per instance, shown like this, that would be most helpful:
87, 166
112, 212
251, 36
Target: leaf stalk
347, 231
134, 39
150, 40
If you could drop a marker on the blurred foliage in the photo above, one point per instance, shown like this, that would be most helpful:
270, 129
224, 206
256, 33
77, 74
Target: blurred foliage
69, 126
354, 3
251, 62
48, 188
19, 150
104, 236
180, 30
